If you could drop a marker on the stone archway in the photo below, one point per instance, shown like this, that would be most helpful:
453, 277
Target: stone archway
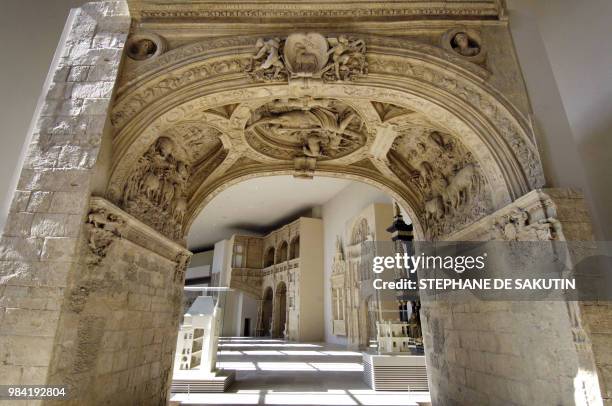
280, 310
267, 313
443, 130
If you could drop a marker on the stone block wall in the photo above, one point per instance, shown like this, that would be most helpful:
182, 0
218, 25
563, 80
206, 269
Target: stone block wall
39, 244
523, 353
119, 319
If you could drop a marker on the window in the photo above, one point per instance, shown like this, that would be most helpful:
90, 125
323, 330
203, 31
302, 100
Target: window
269, 258
238, 255
282, 252
294, 249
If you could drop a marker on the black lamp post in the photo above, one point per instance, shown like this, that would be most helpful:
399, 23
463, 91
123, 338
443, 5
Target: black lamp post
402, 235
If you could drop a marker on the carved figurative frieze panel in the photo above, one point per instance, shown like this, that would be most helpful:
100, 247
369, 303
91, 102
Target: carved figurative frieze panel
155, 190
308, 55
323, 129
453, 188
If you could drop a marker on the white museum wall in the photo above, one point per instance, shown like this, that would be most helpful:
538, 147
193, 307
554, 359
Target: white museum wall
27, 56
566, 56
200, 265
348, 203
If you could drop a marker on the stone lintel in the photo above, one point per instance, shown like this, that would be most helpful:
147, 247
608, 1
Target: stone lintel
138, 233
564, 208
296, 10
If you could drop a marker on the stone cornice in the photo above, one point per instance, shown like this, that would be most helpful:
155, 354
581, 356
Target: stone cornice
138, 233
249, 11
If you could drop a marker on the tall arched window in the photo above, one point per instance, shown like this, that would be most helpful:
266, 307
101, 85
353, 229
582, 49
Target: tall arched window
294, 248
282, 252
269, 257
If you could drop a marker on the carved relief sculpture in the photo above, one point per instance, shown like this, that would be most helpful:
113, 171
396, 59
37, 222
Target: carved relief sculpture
464, 45
308, 55
446, 174
316, 128
155, 191
266, 63
104, 228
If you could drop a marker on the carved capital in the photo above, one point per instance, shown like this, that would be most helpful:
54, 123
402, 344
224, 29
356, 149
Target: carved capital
104, 228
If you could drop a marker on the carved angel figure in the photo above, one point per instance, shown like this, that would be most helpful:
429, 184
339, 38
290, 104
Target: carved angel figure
348, 56
267, 57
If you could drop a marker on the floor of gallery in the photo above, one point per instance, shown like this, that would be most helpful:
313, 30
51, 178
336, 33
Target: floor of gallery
277, 372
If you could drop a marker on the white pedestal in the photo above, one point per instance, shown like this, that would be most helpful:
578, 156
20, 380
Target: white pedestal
395, 372
194, 381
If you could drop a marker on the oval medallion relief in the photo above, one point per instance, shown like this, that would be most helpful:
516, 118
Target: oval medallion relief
317, 128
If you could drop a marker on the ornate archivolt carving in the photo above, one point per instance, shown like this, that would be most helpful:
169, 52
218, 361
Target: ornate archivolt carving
140, 99
478, 111
449, 179
308, 55
322, 129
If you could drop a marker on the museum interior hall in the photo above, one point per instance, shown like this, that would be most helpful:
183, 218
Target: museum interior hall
198, 197
282, 257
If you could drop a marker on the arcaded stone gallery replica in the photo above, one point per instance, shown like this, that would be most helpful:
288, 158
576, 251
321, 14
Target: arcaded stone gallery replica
154, 108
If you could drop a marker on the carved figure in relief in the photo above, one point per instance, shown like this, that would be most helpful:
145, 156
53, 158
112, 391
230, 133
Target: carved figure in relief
517, 226
155, 190
438, 139
104, 228
305, 61
463, 45
434, 209
312, 147
458, 190
267, 57
346, 55
142, 49
179, 210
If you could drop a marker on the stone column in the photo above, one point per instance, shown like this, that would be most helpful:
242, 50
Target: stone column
259, 330
524, 353
38, 247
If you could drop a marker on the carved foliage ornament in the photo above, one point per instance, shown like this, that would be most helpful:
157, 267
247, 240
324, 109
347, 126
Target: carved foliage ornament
308, 55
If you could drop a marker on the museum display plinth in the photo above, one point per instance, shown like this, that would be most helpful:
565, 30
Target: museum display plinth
395, 372
190, 382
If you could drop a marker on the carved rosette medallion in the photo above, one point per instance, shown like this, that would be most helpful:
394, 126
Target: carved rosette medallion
321, 129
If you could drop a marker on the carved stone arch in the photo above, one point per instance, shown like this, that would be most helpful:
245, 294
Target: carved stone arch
294, 247
396, 192
450, 96
269, 257
282, 252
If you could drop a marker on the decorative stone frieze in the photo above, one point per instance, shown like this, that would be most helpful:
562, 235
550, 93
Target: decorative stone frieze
308, 55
